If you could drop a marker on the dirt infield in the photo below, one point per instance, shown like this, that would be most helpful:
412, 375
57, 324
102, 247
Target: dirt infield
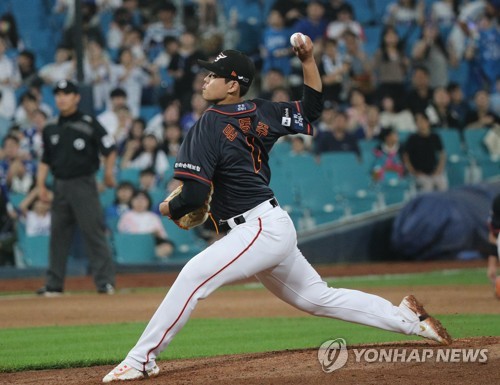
82, 306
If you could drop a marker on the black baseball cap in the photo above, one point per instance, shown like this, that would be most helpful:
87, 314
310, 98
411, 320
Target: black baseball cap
232, 64
66, 86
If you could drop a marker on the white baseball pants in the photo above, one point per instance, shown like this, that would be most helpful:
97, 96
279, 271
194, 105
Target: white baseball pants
264, 246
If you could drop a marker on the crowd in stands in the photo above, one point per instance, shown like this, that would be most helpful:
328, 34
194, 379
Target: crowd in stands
391, 69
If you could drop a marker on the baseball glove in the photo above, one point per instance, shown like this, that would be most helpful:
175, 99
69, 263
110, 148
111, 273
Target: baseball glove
195, 217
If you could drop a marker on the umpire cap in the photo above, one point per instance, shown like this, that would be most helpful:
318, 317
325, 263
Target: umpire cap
232, 64
66, 86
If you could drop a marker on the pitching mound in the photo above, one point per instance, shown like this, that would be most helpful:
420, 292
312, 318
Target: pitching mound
300, 367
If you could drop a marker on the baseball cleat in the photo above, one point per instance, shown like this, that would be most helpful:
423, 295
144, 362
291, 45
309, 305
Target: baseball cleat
125, 372
50, 293
429, 327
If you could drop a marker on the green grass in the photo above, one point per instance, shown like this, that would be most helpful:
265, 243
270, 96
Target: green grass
78, 346
440, 277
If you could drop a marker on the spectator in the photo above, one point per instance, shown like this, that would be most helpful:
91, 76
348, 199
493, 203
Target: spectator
458, 105
170, 115
405, 12
119, 26
7, 81
420, 95
358, 110
483, 54
439, 112
344, 22
431, 52
31, 141
172, 139
109, 117
16, 171
62, 68
97, 73
481, 116
123, 196
444, 13
198, 106
360, 64
26, 69
133, 41
390, 67
35, 88
27, 105
148, 181
314, 24
131, 77
401, 121
170, 49
149, 154
334, 70
184, 66
372, 127
281, 94
298, 146
35, 214
271, 79
91, 28
466, 28
291, 10
141, 220
158, 31
424, 157
334, 7
134, 137
7, 230
275, 47
336, 138
388, 164
8, 31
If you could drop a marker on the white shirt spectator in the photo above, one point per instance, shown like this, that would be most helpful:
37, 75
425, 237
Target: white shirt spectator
37, 224
55, 72
109, 121
146, 222
132, 82
145, 160
7, 78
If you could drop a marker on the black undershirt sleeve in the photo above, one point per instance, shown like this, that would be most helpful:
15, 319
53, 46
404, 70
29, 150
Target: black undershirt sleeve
312, 101
193, 195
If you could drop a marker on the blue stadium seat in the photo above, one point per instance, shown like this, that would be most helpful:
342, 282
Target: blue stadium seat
457, 159
134, 248
351, 181
130, 175
147, 112
107, 197
34, 249
477, 150
16, 198
187, 244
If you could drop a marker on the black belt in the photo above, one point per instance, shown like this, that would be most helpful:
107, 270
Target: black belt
224, 226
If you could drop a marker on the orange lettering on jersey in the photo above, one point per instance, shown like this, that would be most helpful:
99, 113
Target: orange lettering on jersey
230, 132
245, 125
262, 129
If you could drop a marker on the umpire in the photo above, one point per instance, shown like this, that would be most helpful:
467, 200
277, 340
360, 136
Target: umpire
71, 146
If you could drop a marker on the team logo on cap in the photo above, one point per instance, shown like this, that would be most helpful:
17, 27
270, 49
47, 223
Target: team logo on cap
62, 84
220, 56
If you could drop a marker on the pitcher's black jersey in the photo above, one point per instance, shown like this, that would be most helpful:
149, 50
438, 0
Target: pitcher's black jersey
229, 146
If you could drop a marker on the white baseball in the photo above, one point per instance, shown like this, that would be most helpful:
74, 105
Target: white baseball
300, 39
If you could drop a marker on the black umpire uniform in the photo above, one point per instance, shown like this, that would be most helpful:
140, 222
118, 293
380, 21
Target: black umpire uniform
72, 144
